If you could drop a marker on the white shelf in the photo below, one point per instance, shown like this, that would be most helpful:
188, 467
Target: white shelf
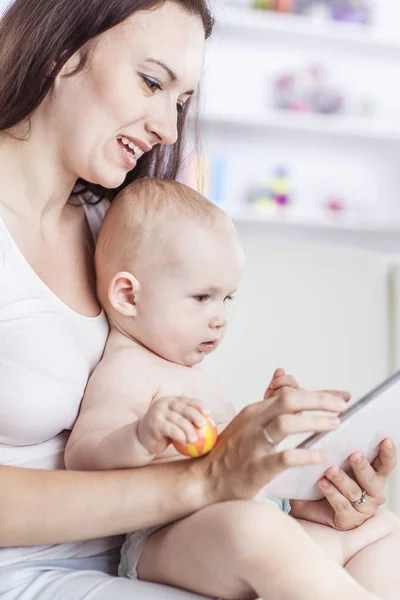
267, 25
340, 222
338, 126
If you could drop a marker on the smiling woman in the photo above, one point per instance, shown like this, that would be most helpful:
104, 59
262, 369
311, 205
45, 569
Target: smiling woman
131, 77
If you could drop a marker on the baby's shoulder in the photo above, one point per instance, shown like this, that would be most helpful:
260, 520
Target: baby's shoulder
125, 370
192, 382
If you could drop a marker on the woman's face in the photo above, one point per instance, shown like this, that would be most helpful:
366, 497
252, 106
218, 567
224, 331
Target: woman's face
127, 98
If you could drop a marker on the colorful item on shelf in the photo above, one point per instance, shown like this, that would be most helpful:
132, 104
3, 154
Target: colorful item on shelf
285, 6
264, 4
351, 11
275, 193
303, 6
307, 91
207, 174
335, 204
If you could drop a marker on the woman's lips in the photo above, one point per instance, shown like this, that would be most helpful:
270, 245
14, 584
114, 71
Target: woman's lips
127, 155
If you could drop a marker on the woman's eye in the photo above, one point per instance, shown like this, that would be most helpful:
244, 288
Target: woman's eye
152, 84
202, 298
180, 106
229, 298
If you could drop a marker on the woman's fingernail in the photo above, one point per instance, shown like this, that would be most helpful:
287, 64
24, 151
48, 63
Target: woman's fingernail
323, 483
319, 457
358, 458
334, 472
389, 444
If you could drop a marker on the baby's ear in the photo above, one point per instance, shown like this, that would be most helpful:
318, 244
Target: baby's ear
123, 293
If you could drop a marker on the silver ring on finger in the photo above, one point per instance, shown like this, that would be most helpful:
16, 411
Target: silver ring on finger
268, 437
361, 500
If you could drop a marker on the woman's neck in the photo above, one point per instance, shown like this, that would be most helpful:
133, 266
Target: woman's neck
34, 183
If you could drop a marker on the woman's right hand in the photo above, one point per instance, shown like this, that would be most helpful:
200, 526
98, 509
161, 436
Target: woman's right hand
244, 459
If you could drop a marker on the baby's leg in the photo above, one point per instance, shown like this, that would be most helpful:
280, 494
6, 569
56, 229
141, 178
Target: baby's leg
368, 552
245, 550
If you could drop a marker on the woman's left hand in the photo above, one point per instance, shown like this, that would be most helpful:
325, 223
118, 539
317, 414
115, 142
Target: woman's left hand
339, 508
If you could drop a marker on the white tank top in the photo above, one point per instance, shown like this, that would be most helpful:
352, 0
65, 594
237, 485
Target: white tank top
47, 352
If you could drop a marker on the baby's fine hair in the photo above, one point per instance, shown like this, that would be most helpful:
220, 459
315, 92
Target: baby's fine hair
146, 207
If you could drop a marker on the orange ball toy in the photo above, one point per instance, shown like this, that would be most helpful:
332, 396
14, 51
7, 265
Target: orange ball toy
206, 439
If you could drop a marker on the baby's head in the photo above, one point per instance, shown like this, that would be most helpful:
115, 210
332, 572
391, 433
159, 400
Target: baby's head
167, 263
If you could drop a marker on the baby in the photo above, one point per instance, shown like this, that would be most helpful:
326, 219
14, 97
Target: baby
168, 262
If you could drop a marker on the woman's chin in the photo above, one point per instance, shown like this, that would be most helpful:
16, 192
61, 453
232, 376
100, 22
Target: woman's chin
111, 180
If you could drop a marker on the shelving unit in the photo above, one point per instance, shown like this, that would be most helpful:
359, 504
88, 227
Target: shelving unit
346, 156
337, 126
382, 235
295, 28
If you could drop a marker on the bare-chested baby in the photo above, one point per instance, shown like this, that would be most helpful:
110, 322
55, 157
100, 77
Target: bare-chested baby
168, 262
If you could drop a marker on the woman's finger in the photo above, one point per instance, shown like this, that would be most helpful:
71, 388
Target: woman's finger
349, 489
367, 477
289, 400
293, 457
386, 461
345, 513
283, 425
339, 394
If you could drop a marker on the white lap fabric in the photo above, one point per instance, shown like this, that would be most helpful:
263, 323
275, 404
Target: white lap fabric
82, 579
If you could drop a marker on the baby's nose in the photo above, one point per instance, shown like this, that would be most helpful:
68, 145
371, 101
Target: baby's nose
218, 321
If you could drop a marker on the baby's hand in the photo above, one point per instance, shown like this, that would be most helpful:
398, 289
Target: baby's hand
171, 419
280, 380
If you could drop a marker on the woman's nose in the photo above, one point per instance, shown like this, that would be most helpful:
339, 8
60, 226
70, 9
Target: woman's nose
164, 126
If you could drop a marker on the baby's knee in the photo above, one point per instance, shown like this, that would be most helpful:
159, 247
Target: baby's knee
252, 526
375, 529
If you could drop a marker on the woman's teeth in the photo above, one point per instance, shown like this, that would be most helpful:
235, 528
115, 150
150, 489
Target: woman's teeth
138, 152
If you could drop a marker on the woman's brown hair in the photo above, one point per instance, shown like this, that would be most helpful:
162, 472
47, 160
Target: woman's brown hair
37, 37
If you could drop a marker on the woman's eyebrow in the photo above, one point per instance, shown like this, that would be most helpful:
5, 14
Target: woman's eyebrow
173, 76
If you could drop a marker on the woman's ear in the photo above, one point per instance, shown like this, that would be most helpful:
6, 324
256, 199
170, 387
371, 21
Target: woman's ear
70, 66
123, 293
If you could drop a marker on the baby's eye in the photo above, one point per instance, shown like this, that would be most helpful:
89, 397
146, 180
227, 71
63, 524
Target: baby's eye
151, 83
202, 298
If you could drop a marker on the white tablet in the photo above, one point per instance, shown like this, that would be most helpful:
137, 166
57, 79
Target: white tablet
363, 426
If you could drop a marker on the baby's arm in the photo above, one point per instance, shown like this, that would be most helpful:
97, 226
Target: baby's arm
119, 426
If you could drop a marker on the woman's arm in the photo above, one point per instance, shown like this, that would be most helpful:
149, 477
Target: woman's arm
49, 507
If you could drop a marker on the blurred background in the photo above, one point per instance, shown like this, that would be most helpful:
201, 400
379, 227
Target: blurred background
301, 146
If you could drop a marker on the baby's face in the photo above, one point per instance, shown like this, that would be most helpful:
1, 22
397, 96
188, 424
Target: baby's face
183, 302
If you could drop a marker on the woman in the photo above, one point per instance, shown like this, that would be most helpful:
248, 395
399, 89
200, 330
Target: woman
97, 92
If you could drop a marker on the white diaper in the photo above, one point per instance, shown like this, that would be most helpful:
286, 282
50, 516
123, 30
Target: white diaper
134, 543
131, 550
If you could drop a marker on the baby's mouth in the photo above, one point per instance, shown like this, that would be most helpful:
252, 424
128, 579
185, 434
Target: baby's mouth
208, 346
